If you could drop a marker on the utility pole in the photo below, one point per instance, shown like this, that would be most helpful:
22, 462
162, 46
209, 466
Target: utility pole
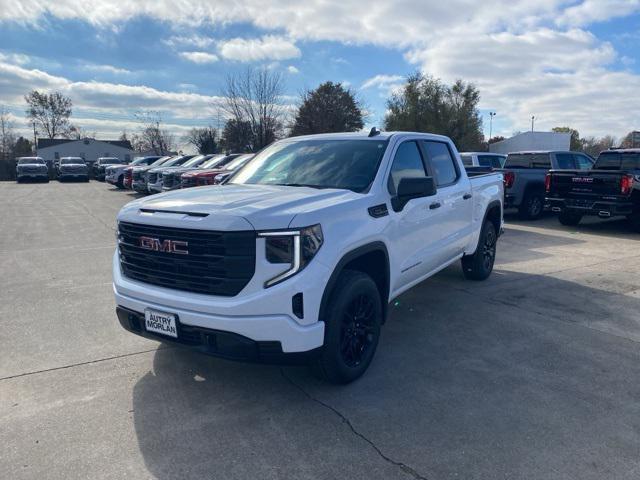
491, 115
532, 120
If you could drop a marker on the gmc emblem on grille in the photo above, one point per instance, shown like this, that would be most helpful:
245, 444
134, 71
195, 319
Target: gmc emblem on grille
168, 246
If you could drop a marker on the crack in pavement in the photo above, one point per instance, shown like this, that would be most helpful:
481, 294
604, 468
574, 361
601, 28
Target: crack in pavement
404, 467
89, 362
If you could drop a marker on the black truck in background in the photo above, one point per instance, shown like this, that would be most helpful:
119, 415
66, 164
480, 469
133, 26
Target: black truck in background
524, 174
610, 189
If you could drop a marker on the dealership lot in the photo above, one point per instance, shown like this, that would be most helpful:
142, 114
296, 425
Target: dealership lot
531, 374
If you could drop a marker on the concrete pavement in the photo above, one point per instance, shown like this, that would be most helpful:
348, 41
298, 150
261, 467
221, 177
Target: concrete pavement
531, 374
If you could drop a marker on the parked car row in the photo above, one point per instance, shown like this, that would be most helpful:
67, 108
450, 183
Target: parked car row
149, 175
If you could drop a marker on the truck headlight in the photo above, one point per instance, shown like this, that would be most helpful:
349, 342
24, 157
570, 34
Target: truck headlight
293, 247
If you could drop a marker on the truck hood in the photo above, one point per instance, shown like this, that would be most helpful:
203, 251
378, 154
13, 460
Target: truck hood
265, 207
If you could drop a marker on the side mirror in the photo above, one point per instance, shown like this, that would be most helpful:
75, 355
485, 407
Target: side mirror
410, 188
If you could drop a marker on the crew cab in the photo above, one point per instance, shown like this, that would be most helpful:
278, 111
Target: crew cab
100, 165
215, 174
74, 168
483, 159
297, 257
610, 189
32, 168
524, 177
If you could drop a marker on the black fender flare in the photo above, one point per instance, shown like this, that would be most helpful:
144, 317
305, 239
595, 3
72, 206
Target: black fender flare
491, 206
376, 246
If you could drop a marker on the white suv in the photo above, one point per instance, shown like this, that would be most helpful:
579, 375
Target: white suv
299, 254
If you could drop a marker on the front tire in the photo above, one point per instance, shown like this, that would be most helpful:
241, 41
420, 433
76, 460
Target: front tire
569, 219
352, 328
480, 265
532, 206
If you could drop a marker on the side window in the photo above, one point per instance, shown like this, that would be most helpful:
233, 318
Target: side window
442, 163
467, 160
484, 160
583, 162
565, 161
406, 163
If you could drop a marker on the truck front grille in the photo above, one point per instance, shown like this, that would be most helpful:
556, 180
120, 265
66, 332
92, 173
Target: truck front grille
217, 263
167, 180
153, 177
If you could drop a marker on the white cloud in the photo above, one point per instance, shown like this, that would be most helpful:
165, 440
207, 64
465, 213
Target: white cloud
293, 70
590, 11
526, 57
198, 41
269, 47
199, 57
107, 69
560, 77
382, 81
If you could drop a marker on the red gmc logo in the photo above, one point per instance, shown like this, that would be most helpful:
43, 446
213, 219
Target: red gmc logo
167, 246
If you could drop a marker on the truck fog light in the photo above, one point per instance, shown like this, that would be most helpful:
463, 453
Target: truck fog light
293, 247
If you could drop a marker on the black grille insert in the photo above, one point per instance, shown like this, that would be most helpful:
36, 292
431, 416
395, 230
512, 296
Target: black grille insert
218, 263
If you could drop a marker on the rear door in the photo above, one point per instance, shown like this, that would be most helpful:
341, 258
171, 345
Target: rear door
455, 212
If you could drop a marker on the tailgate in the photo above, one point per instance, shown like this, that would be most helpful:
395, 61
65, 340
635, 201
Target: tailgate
585, 184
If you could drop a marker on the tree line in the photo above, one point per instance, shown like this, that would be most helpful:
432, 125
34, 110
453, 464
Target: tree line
255, 115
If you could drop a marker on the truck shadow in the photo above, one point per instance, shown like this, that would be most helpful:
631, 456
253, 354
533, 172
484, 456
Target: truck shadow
467, 381
615, 227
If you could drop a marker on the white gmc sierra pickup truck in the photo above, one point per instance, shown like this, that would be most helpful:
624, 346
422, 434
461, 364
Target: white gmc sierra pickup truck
298, 255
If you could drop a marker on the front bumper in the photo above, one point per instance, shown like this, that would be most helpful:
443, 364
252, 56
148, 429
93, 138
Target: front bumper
262, 316
154, 187
600, 208
139, 186
216, 342
74, 175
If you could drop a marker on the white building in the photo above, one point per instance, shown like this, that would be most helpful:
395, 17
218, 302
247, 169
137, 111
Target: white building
529, 141
89, 149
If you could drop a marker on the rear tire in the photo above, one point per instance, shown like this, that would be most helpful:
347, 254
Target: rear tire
569, 219
532, 206
352, 328
480, 265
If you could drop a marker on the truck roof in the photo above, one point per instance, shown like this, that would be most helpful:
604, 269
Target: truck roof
622, 150
529, 152
365, 136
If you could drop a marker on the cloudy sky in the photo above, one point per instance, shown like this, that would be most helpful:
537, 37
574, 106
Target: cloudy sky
568, 62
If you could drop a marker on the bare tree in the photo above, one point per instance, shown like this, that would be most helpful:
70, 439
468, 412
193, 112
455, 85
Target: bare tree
255, 96
50, 111
152, 136
7, 136
204, 139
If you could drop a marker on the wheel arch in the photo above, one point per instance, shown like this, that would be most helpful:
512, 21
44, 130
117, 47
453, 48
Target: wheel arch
372, 259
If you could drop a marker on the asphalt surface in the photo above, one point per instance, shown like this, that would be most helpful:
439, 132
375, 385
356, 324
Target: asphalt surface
533, 374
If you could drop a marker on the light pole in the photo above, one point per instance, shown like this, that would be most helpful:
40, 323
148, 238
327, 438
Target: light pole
532, 120
491, 115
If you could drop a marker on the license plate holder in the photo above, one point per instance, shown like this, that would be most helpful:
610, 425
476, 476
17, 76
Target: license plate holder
162, 323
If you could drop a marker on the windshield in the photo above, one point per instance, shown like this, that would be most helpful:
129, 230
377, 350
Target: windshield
618, 161
528, 160
25, 161
160, 161
195, 161
109, 161
213, 161
347, 164
238, 162
71, 161
175, 161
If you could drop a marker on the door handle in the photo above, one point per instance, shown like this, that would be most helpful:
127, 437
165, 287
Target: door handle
467, 196
435, 205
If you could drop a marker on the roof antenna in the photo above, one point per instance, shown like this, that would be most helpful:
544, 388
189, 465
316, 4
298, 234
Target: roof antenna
373, 132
